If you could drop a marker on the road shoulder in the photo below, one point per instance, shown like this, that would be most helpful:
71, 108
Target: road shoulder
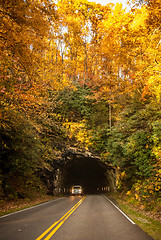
144, 219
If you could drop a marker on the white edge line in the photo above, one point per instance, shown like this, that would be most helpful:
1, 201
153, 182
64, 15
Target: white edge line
119, 210
23, 210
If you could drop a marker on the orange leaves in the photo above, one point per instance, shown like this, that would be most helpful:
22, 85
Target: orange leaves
23, 27
104, 47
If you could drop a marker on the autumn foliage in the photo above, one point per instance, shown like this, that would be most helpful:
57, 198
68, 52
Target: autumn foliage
79, 70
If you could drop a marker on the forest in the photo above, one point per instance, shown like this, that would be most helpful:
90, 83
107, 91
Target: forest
78, 73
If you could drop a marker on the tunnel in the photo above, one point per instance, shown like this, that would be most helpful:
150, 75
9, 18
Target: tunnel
91, 173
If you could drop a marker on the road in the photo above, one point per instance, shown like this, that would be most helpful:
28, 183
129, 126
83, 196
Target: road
91, 217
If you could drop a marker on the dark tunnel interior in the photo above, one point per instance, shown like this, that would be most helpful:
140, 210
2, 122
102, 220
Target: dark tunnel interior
90, 173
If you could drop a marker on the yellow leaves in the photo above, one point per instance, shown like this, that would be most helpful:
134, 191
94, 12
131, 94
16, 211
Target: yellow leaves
105, 155
155, 85
112, 22
73, 21
64, 82
157, 188
123, 175
78, 131
139, 20
137, 197
128, 193
118, 7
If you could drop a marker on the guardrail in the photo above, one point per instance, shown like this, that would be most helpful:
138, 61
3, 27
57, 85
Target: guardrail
102, 189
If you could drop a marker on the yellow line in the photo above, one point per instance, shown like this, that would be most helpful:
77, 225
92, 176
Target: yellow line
60, 221
48, 230
43, 234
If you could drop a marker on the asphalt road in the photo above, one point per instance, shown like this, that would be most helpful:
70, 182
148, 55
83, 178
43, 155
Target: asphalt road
92, 217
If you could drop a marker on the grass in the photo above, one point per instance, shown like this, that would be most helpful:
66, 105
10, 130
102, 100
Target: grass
141, 218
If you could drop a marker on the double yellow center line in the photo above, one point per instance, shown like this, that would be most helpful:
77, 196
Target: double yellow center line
54, 227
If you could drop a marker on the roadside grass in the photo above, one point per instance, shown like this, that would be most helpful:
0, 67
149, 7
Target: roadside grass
152, 227
7, 207
147, 223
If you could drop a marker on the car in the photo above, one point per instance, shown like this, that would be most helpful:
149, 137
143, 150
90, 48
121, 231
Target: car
77, 190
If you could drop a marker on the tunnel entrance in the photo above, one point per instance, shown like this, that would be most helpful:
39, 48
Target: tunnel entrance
91, 173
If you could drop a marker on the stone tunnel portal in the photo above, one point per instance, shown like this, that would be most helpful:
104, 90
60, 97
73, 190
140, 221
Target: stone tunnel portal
91, 173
